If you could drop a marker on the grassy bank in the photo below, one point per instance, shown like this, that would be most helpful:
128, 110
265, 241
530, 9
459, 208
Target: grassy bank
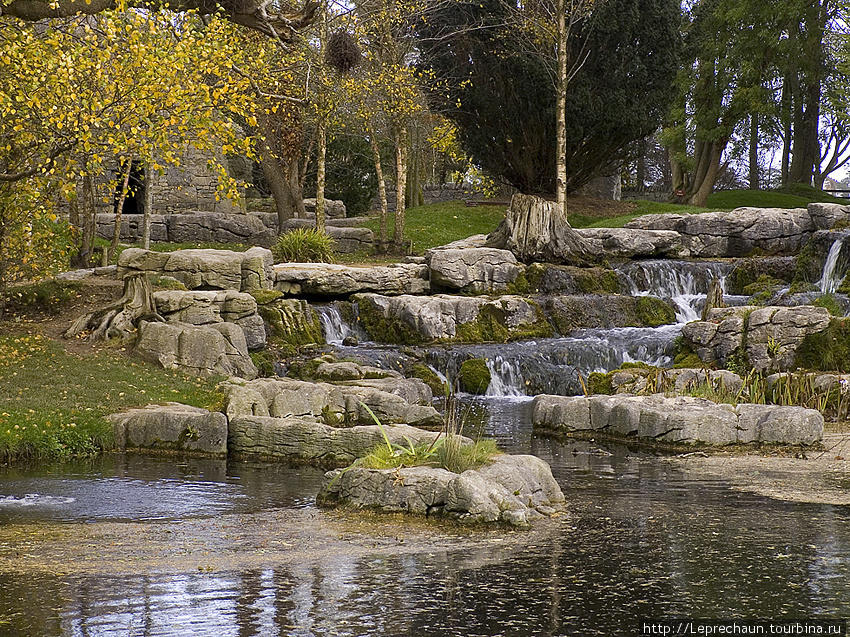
53, 404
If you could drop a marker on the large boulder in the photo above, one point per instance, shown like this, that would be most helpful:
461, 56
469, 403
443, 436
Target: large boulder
512, 490
171, 427
303, 439
218, 349
472, 270
333, 404
292, 321
207, 269
773, 334
624, 243
329, 280
681, 419
738, 233
194, 227
203, 307
826, 216
418, 319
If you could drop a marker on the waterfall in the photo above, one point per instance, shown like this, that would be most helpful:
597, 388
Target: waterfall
334, 327
505, 378
683, 282
829, 282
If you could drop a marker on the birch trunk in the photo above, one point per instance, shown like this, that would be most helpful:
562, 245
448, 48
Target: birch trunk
382, 191
322, 151
401, 183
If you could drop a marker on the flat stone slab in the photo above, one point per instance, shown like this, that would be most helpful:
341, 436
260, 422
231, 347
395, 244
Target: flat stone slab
512, 490
472, 270
681, 419
306, 440
171, 427
333, 280
633, 243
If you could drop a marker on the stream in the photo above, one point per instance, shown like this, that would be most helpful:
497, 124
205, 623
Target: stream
641, 539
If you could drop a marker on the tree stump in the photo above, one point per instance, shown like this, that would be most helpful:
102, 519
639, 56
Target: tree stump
119, 319
714, 298
536, 230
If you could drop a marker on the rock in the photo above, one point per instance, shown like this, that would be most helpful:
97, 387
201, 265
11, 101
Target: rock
510, 490
417, 319
548, 278
682, 419
199, 307
328, 280
295, 438
826, 216
773, 334
413, 390
738, 233
171, 427
624, 243
217, 269
472, 270
334, 208
334, 404
219, 349
195, 227
567, 313
293, 321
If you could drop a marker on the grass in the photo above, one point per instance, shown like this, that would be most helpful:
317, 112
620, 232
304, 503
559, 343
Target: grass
53, 404
441, 223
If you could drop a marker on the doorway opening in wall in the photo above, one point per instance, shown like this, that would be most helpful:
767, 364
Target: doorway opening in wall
134, 204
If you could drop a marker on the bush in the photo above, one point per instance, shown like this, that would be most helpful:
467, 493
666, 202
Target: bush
304, 245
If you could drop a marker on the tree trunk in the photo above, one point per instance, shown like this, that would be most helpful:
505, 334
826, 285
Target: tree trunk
382, 190
401, 183
321, 156
148, 211
116, 232
561, 109
119, 319
536, 230
754, 153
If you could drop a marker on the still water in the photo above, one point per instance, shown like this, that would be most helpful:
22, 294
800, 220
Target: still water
640, 540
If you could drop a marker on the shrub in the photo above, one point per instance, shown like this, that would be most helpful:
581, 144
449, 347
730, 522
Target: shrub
304, 245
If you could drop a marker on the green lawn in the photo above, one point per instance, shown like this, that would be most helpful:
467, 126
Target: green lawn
53, 404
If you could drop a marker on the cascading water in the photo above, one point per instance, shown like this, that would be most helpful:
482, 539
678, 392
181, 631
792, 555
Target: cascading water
683, 282
334, 327
505, 378
832, 275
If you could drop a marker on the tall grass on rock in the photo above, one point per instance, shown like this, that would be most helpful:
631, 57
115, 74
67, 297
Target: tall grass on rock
304, 245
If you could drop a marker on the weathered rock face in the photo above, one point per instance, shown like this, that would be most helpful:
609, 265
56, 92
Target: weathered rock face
472, 270
293, 321
199, 307
681, 419
196, 227
773, 334
329, 280
416, 319
565, 279
207, 269
334, 404
218, 349
737, 233
334, 208
606, 310
171, 427
511, 490
826, 215
632, 243
304, 439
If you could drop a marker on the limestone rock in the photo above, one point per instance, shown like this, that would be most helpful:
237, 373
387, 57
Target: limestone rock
328, 279
293, 321
217, 349
826, 215
171, 427
738, 233
419, 319
304, 439
773, 334
511, 490
216, 269
334, 208
681, 419
472, 270
633, 243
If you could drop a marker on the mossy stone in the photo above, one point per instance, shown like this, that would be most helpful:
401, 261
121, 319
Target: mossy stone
653, 312
828, 350
429, 377
600, 383
292, 321
474, 376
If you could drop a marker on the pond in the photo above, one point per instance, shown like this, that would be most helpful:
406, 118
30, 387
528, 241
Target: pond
640, 540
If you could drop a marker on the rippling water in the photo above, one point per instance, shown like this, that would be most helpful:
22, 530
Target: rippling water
640, 540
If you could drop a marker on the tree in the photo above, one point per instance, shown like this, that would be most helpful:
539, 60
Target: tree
502, 97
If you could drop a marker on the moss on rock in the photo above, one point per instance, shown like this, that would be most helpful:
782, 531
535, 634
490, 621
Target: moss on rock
292, 321
652, 311
828, 350
474, 376
429, 377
